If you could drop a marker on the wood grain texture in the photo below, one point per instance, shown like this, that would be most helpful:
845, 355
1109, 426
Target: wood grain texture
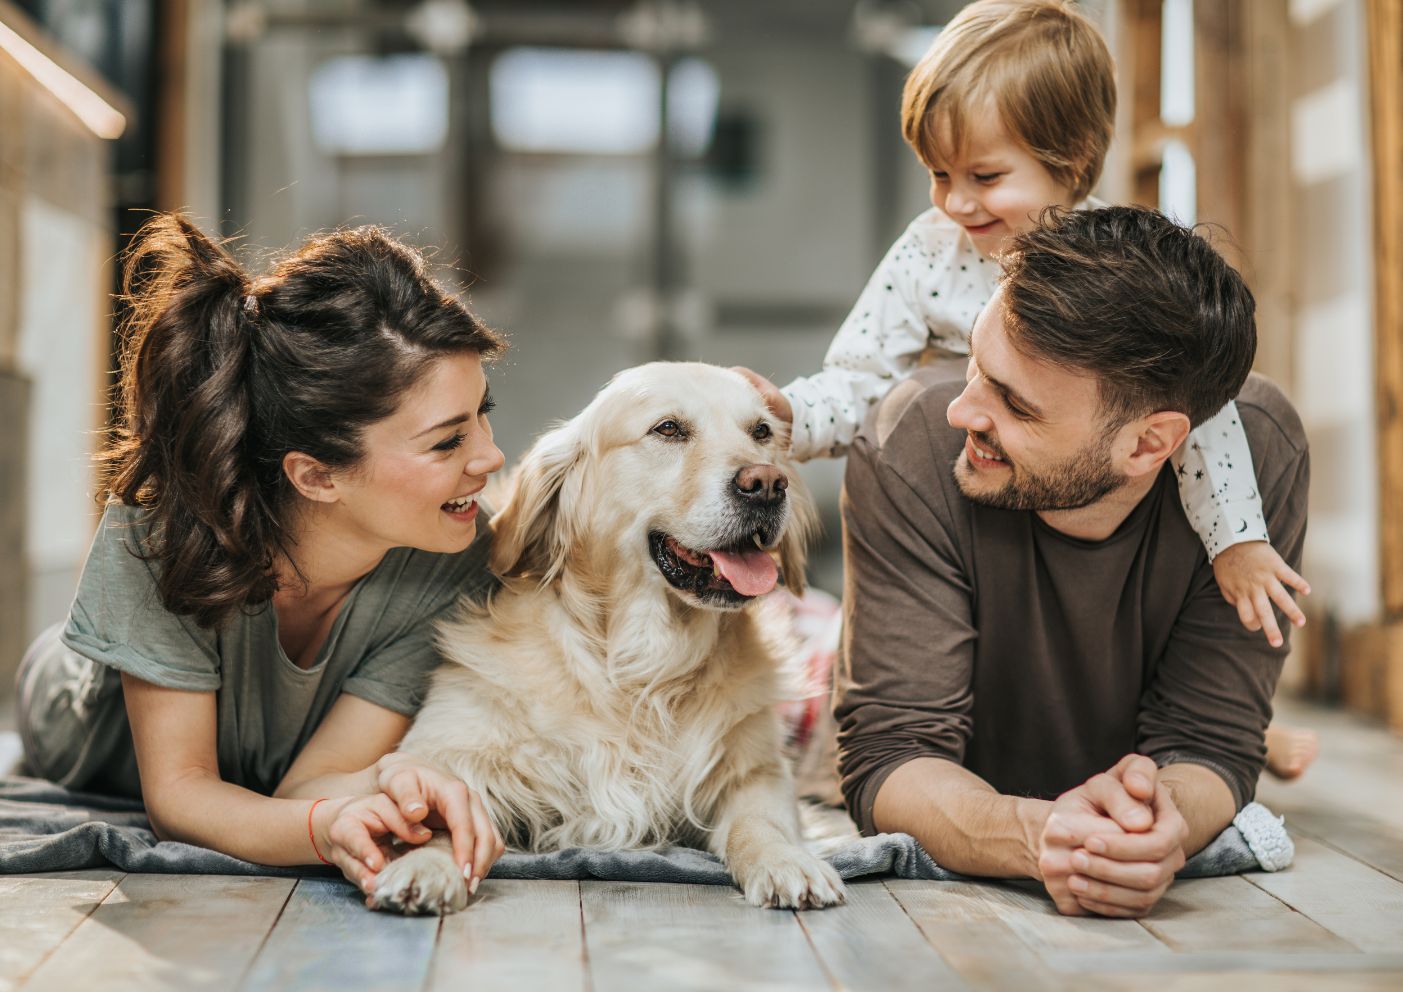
1227, 979
871, 943
177, 932
327, 939
38, 912
970, 933
1361, 905
652, 936
1232, 914
1028, 911
517, 935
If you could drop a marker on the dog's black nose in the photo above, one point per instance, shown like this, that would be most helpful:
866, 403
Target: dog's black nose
762, 483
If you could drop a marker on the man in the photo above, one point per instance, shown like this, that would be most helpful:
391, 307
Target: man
1039, 676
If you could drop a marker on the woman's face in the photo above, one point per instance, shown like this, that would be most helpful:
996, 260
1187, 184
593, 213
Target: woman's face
426, 463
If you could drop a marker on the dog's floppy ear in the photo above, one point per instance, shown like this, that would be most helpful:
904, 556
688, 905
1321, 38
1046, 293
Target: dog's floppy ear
803, 527
531, 533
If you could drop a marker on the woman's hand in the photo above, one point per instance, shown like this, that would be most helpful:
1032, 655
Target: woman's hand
428, 796
355, 833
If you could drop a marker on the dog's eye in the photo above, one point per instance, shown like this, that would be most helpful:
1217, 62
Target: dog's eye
761, 432
669, 428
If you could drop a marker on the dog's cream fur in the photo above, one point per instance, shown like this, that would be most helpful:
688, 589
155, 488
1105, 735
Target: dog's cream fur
591, 703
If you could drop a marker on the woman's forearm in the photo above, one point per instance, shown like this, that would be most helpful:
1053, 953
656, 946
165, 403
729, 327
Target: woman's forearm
360, 783
202, 809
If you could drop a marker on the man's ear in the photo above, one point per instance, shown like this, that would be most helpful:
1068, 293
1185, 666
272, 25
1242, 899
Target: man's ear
310, 477
1158, 435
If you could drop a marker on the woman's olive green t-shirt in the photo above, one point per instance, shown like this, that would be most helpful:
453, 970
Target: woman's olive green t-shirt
380, 648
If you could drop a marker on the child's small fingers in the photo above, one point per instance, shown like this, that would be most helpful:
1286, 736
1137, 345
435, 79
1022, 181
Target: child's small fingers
1286, 604
1293, 579
1267, 618
1247, 614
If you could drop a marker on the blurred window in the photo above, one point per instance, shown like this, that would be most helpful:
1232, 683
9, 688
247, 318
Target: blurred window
572, 101
1178, 179
367, 105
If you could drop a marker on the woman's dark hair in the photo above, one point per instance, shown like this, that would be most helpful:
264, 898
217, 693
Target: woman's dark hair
223, 375
1146, 306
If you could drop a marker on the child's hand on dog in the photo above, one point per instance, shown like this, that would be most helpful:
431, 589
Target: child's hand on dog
774, 399
1252, 576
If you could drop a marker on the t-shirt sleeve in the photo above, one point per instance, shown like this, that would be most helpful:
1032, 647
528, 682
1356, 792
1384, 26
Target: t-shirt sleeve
903, 685
1210, 700
415, 589
117, 617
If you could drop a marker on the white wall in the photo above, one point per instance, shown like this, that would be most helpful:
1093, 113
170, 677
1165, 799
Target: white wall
61, 312
1333, 323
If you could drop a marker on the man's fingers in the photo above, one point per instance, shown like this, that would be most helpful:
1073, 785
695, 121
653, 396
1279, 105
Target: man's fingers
1072, 829
1155, 845
1141, 875
1109, 794
1267, 618
1104, 893
1140, 775
1063, 899
1283, 599
1109, 909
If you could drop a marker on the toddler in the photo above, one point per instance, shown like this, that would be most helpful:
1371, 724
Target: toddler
1012, 111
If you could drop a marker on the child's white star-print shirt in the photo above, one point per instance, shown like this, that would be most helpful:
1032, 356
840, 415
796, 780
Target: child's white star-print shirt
927, 291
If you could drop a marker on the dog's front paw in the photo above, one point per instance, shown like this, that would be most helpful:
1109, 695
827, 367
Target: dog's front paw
791, 878
424, 881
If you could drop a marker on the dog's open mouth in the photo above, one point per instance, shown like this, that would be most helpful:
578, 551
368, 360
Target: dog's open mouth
731, 575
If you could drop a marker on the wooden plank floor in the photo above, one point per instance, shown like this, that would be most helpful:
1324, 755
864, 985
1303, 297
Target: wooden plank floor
1333, 921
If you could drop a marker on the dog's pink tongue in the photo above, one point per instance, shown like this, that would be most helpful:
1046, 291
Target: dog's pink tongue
750, 573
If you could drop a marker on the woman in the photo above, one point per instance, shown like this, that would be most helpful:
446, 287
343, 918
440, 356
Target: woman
291, 502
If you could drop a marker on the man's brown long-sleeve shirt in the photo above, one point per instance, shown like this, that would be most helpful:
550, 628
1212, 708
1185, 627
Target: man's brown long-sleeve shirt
1032, 658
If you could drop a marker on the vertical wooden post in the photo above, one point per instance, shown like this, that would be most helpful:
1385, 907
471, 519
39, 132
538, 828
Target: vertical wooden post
1386, 98
1267, 197
1385, 32
1143, 33
1220, 119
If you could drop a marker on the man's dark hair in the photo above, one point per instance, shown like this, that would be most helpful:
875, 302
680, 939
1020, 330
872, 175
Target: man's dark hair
1146, 306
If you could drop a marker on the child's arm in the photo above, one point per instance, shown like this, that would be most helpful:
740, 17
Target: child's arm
878, 344
1219, 490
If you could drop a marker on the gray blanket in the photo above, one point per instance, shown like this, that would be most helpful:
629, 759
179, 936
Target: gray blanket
44, 827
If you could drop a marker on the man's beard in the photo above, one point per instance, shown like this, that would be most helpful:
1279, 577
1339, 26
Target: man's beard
1075, 482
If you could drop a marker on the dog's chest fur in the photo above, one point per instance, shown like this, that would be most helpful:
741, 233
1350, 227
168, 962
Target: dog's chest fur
572, 746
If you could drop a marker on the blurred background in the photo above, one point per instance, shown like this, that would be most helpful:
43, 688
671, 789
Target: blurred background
614, 181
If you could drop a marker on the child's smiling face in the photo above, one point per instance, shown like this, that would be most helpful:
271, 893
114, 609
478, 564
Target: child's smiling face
993, 187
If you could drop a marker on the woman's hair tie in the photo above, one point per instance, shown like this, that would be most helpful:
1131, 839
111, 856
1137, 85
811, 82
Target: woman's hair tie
250, 306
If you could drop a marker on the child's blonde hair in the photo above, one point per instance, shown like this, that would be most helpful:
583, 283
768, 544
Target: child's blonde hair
1047, 70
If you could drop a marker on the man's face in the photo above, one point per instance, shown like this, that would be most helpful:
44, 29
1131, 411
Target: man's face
1036, 438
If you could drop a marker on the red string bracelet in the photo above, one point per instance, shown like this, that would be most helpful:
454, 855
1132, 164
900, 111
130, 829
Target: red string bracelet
313, 837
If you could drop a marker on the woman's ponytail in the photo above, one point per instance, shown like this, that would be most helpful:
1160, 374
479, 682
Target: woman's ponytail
182, 448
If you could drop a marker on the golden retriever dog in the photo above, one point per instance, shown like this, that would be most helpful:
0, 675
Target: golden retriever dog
618, 690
